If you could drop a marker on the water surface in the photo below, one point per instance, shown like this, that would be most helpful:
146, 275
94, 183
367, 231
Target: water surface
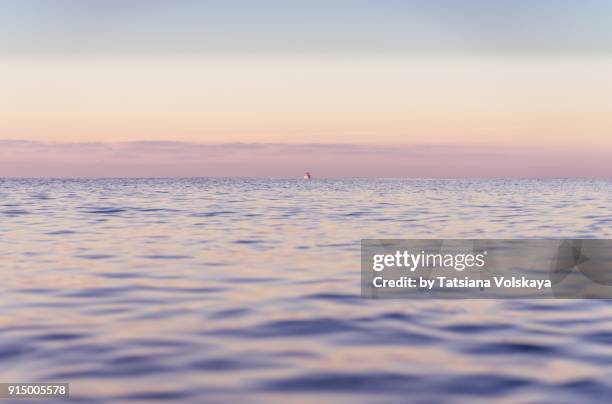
211, 290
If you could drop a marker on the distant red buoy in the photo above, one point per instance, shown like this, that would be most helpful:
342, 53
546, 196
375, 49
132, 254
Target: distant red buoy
307, 175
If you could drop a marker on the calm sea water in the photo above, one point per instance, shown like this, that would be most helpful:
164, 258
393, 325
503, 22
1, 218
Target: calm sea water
212, 290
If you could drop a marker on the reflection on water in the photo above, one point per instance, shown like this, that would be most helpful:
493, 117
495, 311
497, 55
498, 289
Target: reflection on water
203, 290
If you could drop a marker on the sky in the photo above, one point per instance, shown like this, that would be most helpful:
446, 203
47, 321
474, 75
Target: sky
504, 88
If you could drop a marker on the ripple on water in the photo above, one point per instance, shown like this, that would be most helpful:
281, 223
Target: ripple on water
291, 328
61, 233
99, 292
61, 336
588, 387
157, 396
167, 257
345, 382
244, 362
511, 348
106, 211
480, 328
213, 214
96, 256
249, 241
13, 350
15, 212
599, 337
398, 383
380, 335
335, 297
36, 291
229, 313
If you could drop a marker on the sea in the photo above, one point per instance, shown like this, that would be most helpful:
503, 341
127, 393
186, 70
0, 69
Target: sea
211, 290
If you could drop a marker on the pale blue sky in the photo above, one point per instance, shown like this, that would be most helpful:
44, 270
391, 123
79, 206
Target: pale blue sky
340, 26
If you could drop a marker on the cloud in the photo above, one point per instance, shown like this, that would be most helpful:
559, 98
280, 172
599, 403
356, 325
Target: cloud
24, 158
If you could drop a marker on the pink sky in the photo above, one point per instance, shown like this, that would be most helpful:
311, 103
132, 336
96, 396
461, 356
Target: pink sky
168, 159
271, 115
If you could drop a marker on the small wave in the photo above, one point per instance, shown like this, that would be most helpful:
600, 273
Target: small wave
119, 275
588, 387
229, 313
11, 351
61, 336
229, 364
60, 233
336, 245
96, 256
153, 210
212, 214
477, 328
249, 241
388, 336
356, 214
167, 257
169, 395
96, 292
292, 328
346, 382
601, 337
335, 297
36, 291
503, 348
480, 384
112, 372
252, 280
106, 211
15, 212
